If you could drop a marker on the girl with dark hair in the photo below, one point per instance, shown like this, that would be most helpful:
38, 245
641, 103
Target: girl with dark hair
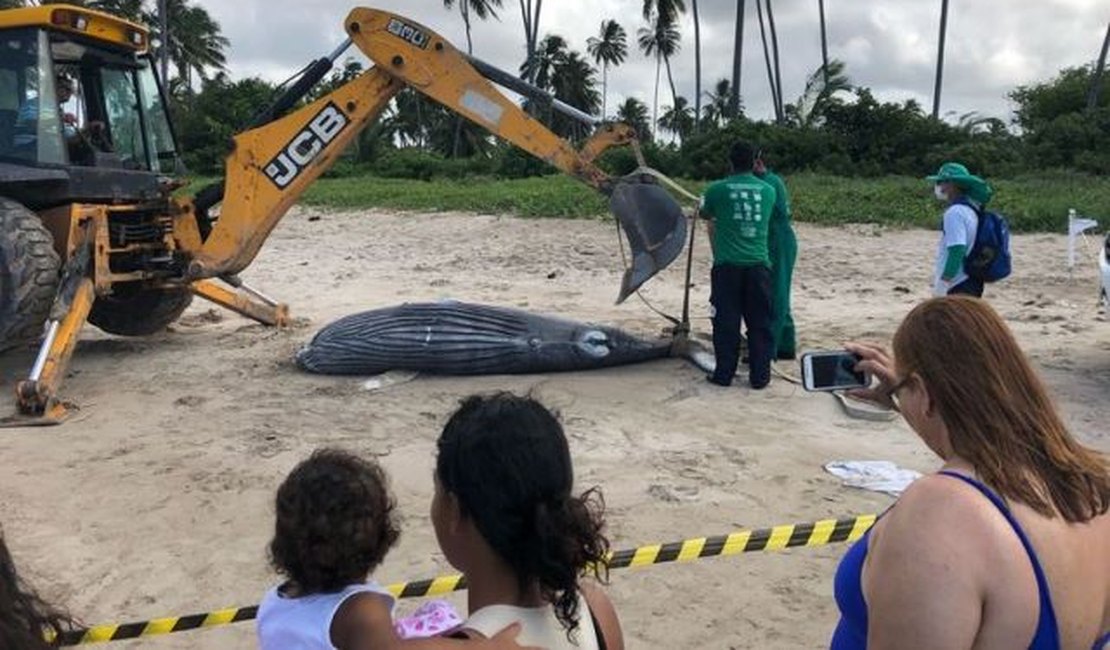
26, 621
335, 523
1008, 545
505, 516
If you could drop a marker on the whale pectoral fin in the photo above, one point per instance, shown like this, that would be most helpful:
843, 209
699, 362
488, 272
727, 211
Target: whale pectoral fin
655, 227
389, 378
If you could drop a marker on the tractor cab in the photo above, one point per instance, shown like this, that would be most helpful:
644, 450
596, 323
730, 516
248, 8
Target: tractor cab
82, 115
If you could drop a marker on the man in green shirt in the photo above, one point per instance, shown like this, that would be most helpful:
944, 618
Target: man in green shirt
739, 212
782, 245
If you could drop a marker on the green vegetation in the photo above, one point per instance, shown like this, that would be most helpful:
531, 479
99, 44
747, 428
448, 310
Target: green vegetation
547, 196
1032, 204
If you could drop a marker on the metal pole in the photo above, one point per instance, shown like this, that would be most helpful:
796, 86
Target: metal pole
940, 58
516, 84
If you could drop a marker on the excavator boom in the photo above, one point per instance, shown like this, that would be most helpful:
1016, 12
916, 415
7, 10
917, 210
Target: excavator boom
272, 165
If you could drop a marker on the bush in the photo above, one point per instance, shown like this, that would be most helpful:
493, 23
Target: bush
513, 162
426, 165
622, 160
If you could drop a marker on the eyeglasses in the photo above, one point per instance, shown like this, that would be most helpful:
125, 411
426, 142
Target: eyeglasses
892, 394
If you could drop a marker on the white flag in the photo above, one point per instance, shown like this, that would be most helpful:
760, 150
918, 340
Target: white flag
1076, 226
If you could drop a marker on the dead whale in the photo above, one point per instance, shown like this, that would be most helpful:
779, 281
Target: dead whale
457, 338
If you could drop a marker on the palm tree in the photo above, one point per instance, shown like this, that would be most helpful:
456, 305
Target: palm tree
406, 119
661, 41
973, 122
767, 59
940, 57
821, 86
737, 55
634, 113
665, 13
677, 120
669, 9
775, 50
1096, 74
129, 9
195, 44
718, 108
824, 36
697, 67
549, 54
574, 82
530, 14
609, 47
481, 8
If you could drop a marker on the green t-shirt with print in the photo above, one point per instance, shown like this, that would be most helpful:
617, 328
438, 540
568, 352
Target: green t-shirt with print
740, 207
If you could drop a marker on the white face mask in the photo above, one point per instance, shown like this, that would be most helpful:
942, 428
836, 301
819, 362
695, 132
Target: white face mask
939, 192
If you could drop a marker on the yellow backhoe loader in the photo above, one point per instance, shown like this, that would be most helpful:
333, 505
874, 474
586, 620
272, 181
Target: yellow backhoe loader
90, 228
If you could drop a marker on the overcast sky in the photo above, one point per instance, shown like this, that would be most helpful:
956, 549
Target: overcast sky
888, 45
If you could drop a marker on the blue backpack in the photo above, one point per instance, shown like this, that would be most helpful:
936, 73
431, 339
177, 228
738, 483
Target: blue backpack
989, 258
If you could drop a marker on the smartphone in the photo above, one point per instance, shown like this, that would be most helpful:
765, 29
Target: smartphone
832, 370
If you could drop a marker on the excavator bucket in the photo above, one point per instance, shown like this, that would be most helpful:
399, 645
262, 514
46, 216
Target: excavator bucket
655, 226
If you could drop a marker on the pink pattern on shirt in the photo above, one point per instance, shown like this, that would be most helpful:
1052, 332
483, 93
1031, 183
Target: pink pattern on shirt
433, 618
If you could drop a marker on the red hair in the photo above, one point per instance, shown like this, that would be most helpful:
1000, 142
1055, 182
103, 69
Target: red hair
999, 415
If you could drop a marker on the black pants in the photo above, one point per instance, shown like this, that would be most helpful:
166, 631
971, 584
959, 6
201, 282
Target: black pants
969, 287
742, 293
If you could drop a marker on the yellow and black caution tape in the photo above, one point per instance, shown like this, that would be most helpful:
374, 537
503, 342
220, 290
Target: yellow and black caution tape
820, 533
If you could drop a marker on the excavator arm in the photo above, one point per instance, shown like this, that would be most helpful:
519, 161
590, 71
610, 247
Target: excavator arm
272, 165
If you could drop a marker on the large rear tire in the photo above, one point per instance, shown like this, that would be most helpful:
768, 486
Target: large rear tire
29, 269
135, 310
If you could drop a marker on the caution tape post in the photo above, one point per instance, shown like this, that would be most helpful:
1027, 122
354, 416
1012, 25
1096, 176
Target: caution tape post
819, 533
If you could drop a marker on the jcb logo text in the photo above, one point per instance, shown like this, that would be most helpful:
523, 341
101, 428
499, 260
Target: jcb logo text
407, 33
306, 145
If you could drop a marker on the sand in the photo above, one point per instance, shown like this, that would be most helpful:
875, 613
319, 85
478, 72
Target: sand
155, 499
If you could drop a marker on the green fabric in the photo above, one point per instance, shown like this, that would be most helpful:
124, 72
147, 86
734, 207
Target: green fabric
974, 187
740, 207
782, 197
782, 246
954, 262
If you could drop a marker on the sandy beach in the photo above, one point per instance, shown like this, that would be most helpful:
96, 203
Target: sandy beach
155, 498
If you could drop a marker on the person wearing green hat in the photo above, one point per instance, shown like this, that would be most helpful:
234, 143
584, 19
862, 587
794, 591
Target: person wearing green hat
964, 195
782, 244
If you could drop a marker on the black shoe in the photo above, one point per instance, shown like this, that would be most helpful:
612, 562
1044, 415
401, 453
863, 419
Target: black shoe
786, 356
760, 386
713, 380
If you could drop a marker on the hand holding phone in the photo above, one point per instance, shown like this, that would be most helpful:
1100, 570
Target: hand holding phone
828, 370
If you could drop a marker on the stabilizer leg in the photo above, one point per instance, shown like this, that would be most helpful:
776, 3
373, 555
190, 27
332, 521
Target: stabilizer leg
37, 395
243, 300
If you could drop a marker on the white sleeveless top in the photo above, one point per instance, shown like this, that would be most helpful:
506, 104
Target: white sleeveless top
304, 623
539, 627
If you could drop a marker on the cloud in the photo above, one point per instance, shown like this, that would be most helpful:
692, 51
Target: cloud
891, 47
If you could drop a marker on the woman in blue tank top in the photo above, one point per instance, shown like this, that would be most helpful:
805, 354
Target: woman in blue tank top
1008, 545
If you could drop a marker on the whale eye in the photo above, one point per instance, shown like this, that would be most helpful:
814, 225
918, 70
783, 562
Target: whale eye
594, 343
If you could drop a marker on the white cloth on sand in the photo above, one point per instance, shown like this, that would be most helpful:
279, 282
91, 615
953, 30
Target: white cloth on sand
875, 475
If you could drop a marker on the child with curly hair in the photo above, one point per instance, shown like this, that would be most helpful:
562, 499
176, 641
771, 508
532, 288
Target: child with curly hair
335, 523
